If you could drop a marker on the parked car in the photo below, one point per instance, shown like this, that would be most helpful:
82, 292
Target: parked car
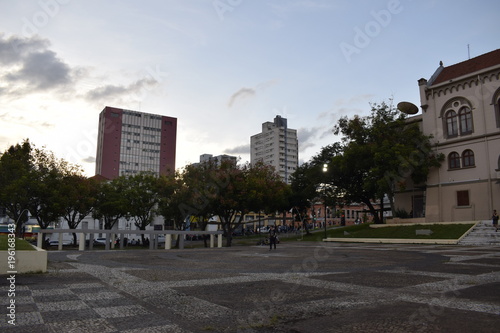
101, 241
264, 229
56, 243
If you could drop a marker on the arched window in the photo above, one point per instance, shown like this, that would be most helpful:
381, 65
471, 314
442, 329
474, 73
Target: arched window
454, 160
451, 124
497, 111
496, 103
457, 117
468, 158
465, 117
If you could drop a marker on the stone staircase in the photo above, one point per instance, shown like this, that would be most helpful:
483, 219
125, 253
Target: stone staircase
482, 234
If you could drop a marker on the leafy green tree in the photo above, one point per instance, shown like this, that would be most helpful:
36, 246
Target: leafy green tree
110, 204
303, 191
379, 154
265, 189
200, 190
31, 179
16, 166
350, 169
228, 199
311, 182
46, 202
173, 195
142, 194
79, 195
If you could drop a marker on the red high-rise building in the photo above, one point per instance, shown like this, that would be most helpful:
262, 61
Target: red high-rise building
130, 142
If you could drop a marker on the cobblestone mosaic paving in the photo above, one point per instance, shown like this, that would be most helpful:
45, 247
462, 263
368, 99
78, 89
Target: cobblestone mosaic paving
298, 288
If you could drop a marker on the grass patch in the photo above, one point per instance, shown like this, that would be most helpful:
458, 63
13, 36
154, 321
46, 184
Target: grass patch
21, 244
439, 231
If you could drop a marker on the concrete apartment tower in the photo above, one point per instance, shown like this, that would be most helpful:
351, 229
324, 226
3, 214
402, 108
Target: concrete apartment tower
130, 142
276, 145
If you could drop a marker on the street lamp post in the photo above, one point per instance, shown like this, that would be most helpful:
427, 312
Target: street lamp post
325, 169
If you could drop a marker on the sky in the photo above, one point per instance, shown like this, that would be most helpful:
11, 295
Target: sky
221, 67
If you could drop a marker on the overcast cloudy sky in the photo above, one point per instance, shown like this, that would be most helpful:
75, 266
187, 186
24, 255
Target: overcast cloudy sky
222, 67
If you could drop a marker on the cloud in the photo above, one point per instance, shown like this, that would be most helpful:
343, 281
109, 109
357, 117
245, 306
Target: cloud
41, 71
27, 66
242, 94
109, 91
47, 125
361, 98
89, 159
15, 47
307, 136
248, 93
242, 149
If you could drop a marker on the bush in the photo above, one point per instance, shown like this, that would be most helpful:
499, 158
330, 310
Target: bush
401, 213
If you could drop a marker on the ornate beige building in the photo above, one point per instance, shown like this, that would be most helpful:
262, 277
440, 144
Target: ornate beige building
461, 109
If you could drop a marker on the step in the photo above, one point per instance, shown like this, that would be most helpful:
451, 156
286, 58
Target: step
483, 234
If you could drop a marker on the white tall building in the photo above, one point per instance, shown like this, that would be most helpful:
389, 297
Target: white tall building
276, 145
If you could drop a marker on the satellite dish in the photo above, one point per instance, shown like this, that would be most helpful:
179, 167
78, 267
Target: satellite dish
407, 107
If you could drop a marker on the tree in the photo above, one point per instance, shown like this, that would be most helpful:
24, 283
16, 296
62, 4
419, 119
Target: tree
199, 192
15, 169
303, 188
32, 181
142, 194
309, 182
110, 204
173, 195
266, 191
378, 155
46, 202
349, 170
228, 200
79, 195
229, 191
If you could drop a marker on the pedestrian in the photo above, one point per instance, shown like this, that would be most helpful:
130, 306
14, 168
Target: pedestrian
495, 220
272, 238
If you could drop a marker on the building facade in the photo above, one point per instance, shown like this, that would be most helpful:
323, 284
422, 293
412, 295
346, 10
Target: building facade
276, 145
218, 160
461, 110
130, 142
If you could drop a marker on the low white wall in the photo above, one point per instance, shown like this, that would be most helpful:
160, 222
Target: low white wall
25, 261
397, 220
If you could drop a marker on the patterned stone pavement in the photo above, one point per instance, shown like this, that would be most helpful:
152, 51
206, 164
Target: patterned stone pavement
300, 287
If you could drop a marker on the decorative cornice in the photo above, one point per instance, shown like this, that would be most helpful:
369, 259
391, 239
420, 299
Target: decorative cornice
462, 83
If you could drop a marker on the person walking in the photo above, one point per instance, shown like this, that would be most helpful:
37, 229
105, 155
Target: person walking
272, 238
495, 220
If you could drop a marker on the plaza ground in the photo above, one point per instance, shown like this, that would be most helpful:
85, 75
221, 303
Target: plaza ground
300, 287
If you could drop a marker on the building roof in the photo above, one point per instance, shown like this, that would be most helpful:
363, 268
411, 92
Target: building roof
99, 178
478, 63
